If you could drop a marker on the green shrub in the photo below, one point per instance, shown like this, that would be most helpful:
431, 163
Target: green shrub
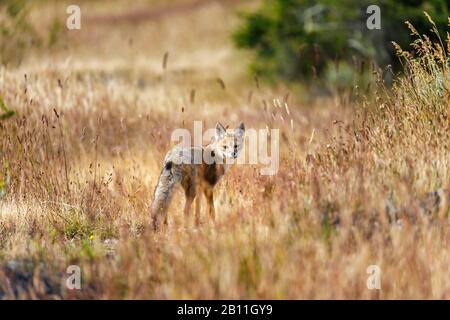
298, 39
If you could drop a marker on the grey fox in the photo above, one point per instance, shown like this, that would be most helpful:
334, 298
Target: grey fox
196, 177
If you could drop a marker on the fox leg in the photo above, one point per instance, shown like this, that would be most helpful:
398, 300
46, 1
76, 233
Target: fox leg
189, 187
198, 202
187, 204
208, 191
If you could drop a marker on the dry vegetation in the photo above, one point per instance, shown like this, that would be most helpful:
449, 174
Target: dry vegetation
94, 117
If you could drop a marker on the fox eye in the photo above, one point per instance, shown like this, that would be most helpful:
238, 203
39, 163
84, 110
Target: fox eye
225, 147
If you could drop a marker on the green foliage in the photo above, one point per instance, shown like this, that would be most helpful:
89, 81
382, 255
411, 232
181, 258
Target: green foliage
76, 226
16, 33
5, 111
54, 32
14, 8
299, 39
4, 178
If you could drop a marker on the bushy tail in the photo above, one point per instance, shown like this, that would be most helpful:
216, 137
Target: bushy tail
162, 195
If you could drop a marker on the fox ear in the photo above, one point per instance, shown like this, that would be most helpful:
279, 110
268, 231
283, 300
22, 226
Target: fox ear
241, 130
220, 130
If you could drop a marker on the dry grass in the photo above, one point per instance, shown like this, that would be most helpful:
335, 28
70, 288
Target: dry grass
93, 123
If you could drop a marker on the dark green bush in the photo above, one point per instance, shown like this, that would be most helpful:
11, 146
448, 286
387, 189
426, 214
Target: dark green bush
297, 39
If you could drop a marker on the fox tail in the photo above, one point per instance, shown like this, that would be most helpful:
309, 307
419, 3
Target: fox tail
162, 195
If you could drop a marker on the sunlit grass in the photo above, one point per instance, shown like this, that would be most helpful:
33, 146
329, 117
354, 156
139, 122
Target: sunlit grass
85, 149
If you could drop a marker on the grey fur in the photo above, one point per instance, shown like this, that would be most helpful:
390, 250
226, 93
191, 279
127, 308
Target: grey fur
195, 168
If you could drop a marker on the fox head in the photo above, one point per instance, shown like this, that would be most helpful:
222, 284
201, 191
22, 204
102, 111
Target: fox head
228, 143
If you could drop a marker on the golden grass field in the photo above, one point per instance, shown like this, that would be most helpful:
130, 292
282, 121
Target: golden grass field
93, 121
